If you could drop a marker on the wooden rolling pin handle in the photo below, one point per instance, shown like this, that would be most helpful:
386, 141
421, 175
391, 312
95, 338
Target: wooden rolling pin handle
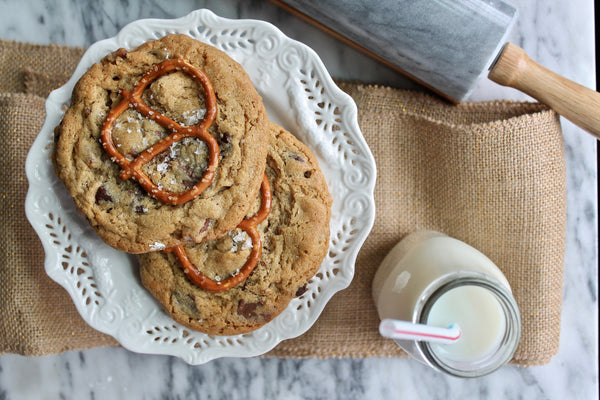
577, 103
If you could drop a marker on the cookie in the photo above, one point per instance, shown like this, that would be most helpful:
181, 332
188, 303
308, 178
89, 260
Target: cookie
295, 239
128, 215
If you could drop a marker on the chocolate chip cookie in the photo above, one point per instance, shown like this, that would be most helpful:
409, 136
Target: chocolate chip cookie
295, 239
154, 94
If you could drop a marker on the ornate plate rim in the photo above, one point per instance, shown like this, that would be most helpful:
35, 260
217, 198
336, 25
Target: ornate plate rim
192, 24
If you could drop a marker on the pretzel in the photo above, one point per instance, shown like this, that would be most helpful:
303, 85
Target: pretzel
133, 168
248, 226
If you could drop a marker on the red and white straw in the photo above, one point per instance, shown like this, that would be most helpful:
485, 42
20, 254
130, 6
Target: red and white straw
405, 330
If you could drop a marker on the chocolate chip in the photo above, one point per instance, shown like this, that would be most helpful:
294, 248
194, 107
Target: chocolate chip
187, 301
121, 53
102, 195
189, 171
224, 141
301, 290
248, 310
140, 210
296, 157
225, 138
109, 100
188, 184
307, 174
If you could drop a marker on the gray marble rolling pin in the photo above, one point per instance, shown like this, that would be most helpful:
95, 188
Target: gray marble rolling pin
447, 46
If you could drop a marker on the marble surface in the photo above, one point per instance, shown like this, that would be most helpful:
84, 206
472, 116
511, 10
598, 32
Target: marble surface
558, 34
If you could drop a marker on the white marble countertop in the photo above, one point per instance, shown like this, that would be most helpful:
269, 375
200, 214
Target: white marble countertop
558, 34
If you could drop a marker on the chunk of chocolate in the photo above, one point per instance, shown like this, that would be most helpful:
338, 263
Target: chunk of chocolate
102, 195
248, 310
301, 290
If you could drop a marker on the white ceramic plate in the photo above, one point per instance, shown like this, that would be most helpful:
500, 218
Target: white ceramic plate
300, 95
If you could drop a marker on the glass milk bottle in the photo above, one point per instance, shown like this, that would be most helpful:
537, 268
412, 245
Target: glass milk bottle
430, 278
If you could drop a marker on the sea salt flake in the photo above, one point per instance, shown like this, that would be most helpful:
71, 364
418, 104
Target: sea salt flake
241, 241
157, 246
240, 237
162, 167
192, 117
173, 150
247, 244
200, 149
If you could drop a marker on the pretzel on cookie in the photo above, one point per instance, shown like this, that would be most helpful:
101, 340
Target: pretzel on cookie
249, 226
133, 168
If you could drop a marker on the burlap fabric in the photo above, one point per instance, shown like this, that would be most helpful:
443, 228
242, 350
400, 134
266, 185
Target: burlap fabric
491, 174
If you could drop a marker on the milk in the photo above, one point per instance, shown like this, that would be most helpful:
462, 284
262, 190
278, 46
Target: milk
431, 278
480, 318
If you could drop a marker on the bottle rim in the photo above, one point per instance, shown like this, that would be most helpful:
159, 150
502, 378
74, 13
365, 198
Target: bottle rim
508, 344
